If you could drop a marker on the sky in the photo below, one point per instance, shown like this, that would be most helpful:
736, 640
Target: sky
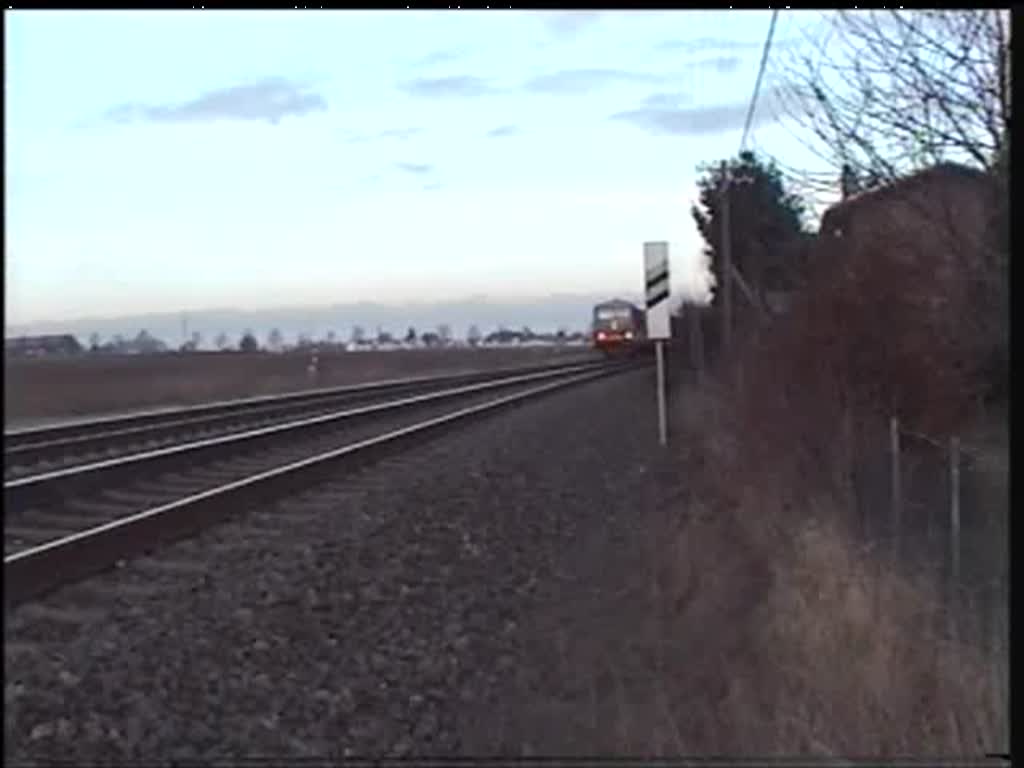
176, 160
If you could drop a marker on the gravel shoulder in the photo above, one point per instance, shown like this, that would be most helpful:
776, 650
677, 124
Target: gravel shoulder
396, 611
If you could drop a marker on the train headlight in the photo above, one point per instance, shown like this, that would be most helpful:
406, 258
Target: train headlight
629, 334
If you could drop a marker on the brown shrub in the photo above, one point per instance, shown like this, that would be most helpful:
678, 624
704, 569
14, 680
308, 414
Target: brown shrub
787, 637
809, 642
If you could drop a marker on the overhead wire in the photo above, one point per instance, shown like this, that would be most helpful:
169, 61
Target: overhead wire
760, 77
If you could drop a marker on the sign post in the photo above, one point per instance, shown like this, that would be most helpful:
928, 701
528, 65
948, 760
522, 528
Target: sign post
659, 324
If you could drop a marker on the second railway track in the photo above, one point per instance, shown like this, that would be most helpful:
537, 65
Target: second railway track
65, 524
33, 450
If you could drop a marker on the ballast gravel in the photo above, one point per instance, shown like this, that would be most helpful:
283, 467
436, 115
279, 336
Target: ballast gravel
381, 613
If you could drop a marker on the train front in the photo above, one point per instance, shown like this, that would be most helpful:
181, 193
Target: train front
617, 327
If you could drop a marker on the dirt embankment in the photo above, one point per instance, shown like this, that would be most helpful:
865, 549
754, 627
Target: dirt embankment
61, 388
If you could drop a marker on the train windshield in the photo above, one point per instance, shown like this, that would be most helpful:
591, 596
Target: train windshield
613, 313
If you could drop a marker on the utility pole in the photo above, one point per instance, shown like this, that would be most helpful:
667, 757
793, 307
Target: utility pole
726, 305
696, 342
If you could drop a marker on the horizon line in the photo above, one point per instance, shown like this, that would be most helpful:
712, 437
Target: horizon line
397, 304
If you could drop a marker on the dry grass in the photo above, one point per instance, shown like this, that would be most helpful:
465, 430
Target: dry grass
733, 623
45, 389
842, 653
752, 617
790, 634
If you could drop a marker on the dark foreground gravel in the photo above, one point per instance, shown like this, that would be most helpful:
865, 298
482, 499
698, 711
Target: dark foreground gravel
383, 613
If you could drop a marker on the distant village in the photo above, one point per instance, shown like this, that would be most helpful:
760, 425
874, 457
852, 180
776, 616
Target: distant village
68, 345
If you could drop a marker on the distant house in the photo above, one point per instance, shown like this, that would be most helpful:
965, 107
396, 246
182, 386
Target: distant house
143, 344
59, 345
503, 337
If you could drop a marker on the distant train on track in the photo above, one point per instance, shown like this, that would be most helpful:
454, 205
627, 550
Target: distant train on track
619, 327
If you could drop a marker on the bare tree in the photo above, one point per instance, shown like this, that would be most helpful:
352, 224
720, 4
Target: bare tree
193, 343
222, 341
894, 91
248, 342
444, 333
473, 336
358, 334
94, 341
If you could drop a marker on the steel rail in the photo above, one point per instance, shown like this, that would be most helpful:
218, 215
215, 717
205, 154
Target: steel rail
38, 569
40, 438
44, 489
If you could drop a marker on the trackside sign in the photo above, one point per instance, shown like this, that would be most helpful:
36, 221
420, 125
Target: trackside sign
656, 290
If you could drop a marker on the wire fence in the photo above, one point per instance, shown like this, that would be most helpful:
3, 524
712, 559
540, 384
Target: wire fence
947, 511
938, 509
948, 521
934, 507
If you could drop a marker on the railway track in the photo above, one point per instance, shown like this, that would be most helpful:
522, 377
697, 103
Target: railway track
34, 450
65, 524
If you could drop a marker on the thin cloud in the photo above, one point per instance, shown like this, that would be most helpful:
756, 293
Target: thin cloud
432, 186
666, 100
397, 134
721, 64
503, 131
719, 45
402, 134
566, 25
453, 86
417, 169
584, 80
705, 44
665, 121
442, 56
267, 100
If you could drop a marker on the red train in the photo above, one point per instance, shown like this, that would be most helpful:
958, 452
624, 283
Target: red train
619, 327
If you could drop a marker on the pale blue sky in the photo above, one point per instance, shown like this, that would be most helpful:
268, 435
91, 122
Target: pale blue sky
162, 161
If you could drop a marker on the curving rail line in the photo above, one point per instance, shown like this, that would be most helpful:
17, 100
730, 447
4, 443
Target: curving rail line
75, 538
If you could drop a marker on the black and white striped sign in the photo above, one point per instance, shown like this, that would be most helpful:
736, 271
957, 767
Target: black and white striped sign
657, 290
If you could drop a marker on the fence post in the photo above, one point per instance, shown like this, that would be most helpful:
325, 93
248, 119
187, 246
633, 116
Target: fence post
896, 487
314, 365
849, 491
697, 344
954, 507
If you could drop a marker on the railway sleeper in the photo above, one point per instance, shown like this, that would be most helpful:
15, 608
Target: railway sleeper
162, 491
208, 474
58, 520
251, 465
136, 497
181, 487
102, 508
33, 535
